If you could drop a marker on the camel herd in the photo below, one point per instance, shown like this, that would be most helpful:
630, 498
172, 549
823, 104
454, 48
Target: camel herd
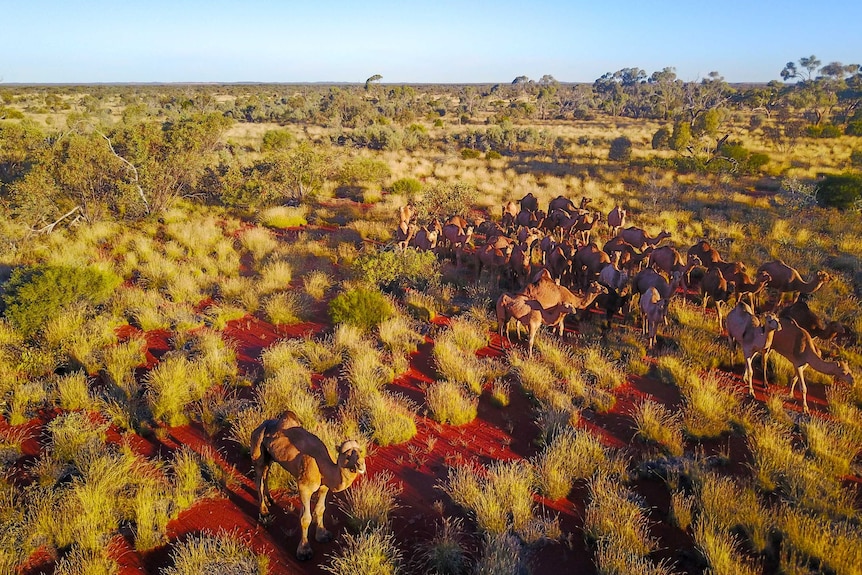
548, 267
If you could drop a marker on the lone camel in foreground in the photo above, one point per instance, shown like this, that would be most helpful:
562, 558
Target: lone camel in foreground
303, 454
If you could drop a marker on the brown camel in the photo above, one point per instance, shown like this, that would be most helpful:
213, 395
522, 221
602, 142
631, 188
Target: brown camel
583, 226
754, 337
795, 344
707, 254
588, 263
493, 259
714, 287
520, 264
561, 202
640, 238
785, 279
743, 285
530, 314
810, 322
303, 454
548, 293
668, 260
529, 202
613, 277
616, 219
404, 234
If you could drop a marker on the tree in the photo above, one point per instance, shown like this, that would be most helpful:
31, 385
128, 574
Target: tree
667, 92
372, 79
303, 170
791, 71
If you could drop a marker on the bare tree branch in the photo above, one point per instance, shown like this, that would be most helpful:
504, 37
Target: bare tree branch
131, 167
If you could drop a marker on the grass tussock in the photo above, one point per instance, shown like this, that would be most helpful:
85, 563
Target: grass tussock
735, 508
216, 553
501, 553
499, 497
370, 503
445, 554
721, 550
399, 334
372, 552
817, 542
711, 408
615, 516
658, 425
450, 403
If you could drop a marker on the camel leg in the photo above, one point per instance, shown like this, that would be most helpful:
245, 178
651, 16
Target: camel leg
261, 472
532, 332
765, 363
801, 376
749, 374
304, 552
321, 534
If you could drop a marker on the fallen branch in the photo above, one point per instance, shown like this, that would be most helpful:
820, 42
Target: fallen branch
47, 229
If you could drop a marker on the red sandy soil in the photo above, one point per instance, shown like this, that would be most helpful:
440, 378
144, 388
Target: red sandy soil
419, 466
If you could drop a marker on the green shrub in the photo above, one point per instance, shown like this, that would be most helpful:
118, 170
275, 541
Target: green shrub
661, 139
275, 140
839, 190
681, 136
856, 158
407, 186
470, 154
362, 307
493, 155
621, 150
37, 294
394, 270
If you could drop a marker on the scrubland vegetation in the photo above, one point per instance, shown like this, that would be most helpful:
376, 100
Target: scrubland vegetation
208, 257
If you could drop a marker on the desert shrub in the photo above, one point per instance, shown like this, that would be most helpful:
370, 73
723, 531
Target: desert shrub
470, 154
397, 270
36, 294
856, 158
840, 191
661, 139
445, 199
493, 155
621, 149
216, 553
449, 403
681, 136
369, 503
362, 307
276, 140
407, 186
746, 162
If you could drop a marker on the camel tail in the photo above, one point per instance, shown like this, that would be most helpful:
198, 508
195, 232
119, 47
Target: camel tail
256, 447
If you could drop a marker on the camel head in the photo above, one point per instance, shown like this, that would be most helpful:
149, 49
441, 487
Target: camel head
770, 322
763, 277
846, 375
351, 457
823, 277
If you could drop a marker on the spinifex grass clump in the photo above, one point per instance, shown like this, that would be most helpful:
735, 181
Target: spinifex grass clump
735, 508
450, 403
571, 456
400, 334
445, 553
215, 553
498, 497
615, 517
657, 424
820, 543
362, 307
722, 550
710, 407
372, 552
369, 503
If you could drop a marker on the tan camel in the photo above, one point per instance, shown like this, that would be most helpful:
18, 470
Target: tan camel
406, 215
548, 293
404, 234
616, 219
745, 286
583, 226
754, 337
530, 314
785, 279
707, 254
493, 259
613, 277
425, 239
303, 454
654, 308
668, 260
795, 344
520, 264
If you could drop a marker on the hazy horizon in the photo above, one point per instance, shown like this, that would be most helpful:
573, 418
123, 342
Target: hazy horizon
221, 42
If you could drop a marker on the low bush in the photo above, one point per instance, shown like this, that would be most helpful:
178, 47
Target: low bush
361, 307
840, 191
450, 403
407, 186
394, 271
621, 149
36, 294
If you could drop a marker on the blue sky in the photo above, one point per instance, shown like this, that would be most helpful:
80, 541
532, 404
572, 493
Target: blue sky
408, 42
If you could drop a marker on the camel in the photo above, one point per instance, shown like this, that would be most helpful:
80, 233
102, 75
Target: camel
654, 308
303, 454
530, 314
492, 258
529, 202
707, 255
640, 238
457, 238
796, 344
583, 226
616, 219
613, 277
785, 279
808, 320
559, 261
668, 260
588, 262
715, 287
754, 336
548, 293
546, 245
649, 278
612, 302
425, 239
626, 255
530, 219
745, 286
404, 235
406, 215
561, 202
519, 263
